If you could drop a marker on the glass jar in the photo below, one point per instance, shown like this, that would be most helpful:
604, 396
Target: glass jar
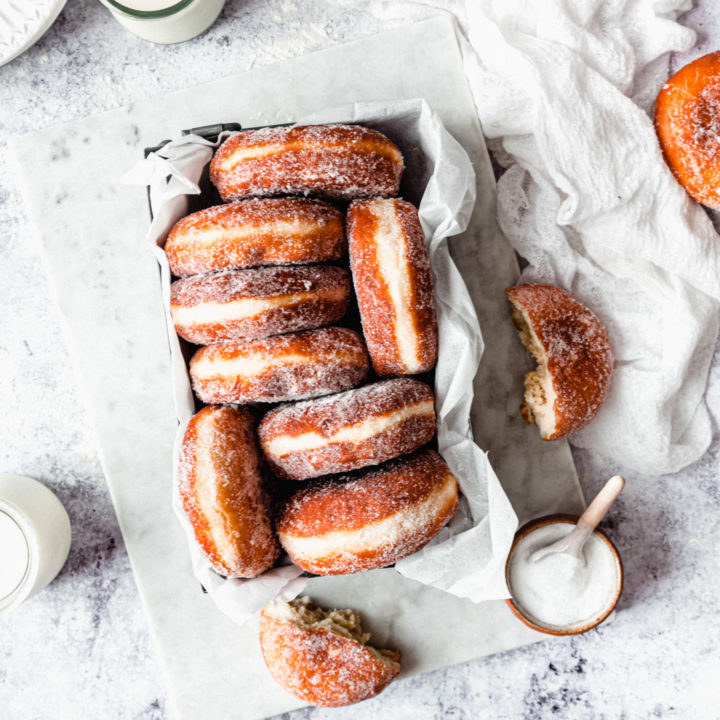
165, 21
34, 538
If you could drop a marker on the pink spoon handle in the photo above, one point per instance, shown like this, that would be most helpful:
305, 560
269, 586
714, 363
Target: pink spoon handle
598, 508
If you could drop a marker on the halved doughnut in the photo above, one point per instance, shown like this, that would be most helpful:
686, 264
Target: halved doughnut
322, 656
574, 356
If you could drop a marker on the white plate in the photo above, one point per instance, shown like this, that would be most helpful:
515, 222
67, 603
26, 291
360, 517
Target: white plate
23, 23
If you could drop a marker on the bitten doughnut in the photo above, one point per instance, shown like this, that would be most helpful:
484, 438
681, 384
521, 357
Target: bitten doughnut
350, 430
687, 121
322, 656
350, 524
285, 367
222, 492
257, 303
574, 357
391, 273
273, 231
337, 161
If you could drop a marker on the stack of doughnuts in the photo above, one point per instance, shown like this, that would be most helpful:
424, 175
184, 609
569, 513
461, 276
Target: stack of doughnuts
261, 283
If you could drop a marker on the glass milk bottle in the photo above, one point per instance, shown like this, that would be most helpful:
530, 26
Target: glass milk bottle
34, 538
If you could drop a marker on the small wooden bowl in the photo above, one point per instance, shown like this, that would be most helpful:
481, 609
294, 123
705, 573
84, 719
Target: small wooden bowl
525, 530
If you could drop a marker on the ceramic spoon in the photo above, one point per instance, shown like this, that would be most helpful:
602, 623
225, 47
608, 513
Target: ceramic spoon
572, 544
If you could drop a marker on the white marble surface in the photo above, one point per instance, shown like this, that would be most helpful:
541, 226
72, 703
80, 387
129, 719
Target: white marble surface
81, 648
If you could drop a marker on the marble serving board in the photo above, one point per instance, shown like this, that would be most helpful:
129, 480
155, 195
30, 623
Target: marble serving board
90, 229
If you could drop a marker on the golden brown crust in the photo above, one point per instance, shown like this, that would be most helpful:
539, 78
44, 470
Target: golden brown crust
350, 430
322, 667
337, 161
577, 351
687, 121
273, 231
414, 497
222, 492
258, 302
285, 367
393, 286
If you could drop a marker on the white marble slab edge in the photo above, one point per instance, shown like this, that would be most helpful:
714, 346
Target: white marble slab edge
119, 349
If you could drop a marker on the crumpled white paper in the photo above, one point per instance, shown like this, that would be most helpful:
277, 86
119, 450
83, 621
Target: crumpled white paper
468, 557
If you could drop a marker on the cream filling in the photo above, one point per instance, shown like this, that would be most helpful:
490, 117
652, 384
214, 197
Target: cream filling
206, 491
205, 237
260, 151
355, 433
209, 313
243, 366
390, 530
393, 266
540, 395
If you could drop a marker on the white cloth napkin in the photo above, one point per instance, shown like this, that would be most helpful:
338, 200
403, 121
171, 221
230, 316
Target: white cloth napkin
563, 89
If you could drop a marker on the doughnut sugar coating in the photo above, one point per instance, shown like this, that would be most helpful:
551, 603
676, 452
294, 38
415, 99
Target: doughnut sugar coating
284, 367
272, 231
322, 656
258, 302
687, 121
393, 284
336, 161
348, 524
338, 433
574, 356
222, 492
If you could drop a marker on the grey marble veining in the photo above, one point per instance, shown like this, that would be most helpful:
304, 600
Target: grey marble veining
81, 648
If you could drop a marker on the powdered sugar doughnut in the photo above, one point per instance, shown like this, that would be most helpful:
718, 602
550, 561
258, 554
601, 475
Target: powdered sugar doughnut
321, 656
351, 430
257, 303
285, 367
339, 161
350, 524
391, 273
275, 231
574, 357
222, 492
687, 120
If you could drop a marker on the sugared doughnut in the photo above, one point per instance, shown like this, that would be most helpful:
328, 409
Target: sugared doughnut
257, 303
391, 273
350, 524
285, 367
574, 357
222, 492
322, 656
687, 120
273, 231
337, 161
350, 430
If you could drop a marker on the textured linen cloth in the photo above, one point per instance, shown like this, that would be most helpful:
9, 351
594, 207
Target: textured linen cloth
564, 89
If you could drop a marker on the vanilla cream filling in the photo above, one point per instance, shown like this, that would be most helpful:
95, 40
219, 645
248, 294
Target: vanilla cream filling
355, 433
260, 151
540, 395
393, 266
242, 366
209, 313
206, 491
391, 530
204, 237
